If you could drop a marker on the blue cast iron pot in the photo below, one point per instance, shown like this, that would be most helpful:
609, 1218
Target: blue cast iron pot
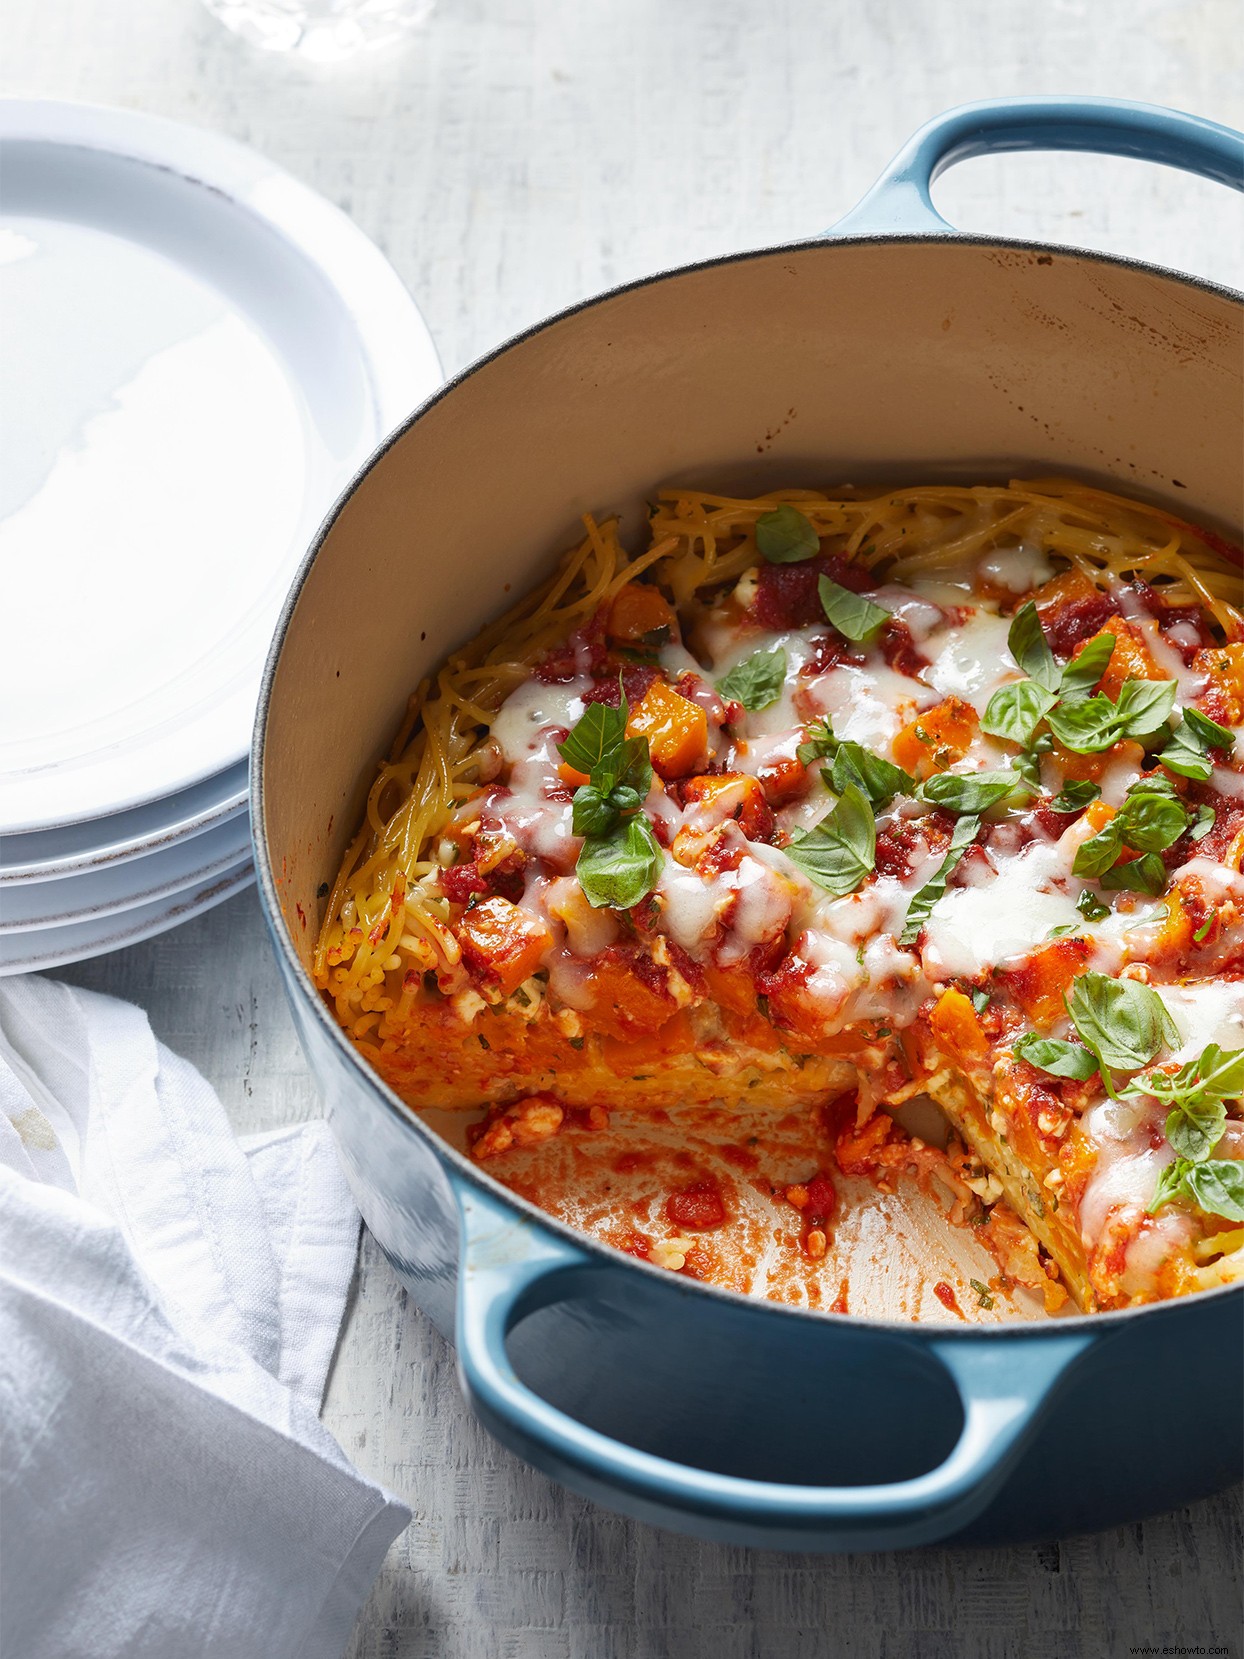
893, 349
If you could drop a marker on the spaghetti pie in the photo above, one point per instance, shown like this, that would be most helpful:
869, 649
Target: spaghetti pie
819, 803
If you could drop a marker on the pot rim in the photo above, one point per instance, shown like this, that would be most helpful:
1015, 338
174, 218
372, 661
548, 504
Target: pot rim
459, 1168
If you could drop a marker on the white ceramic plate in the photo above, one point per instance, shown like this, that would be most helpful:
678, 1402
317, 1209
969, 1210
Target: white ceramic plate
52, 947
106, 892
98, 844
198, 353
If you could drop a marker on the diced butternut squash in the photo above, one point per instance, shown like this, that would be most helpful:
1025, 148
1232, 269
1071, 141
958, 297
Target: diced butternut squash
1071, 588
1090, 768
571, 777
1223, 665
502, 944
1041, 982
1097, 815
1067, 600
639, 612
784, 778
1130, 659
628, 997
733, 795
957, 1027
934, 740
1175, 939
676, 729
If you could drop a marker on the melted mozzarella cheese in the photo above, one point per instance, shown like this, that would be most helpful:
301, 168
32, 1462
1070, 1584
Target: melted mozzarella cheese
1167, 659
972, 660
541, 826
691, 907
529, 713
867, 705
837, 970
761, 912
918, 614
1216, 880
974, 928
1209, 1012
1228, 783
1014, 569
1119, 776
751, 903
1129, 1162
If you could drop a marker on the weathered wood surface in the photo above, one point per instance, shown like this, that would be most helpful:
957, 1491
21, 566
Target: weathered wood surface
518, 155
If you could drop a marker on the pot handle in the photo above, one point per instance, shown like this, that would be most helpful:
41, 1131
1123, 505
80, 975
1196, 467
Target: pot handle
900, 200
509, 1267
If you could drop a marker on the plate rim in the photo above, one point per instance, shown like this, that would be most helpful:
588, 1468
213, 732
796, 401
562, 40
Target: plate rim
170, 912
22, 866
68, 902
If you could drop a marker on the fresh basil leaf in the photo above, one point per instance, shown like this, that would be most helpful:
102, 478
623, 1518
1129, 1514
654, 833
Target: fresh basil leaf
1218, 1187
968, 791
1086, 727
1075, 795
1095, 856
980, 1001
1209, 731
1194, 1127
592, 813
1146, 874
819, 743
1028, 762
634, 769
624, 799
1063, 931
1058, 1058
618, 869
1151, 822
1030, 648
1153, 784
855, 617
1095, 723
786, 537
1090, 908
1170, 1184
1082, 673
921, 906
880, 779
1220, 1072
1147, 823
843, 773
842, 849
757, 681
1188, 755
1015, 711
1204, 821
1144, 706
1124, 1022
595, 743
1187, 752
1216, 1074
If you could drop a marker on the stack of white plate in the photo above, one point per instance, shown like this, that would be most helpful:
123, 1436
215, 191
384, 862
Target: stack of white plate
198, 352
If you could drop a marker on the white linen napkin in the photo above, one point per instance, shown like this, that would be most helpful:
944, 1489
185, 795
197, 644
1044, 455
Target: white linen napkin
169, 1303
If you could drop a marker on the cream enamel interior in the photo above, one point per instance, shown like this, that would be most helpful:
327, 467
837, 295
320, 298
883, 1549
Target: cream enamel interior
899, 360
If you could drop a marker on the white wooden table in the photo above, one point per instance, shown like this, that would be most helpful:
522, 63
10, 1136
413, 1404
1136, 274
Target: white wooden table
516, 156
